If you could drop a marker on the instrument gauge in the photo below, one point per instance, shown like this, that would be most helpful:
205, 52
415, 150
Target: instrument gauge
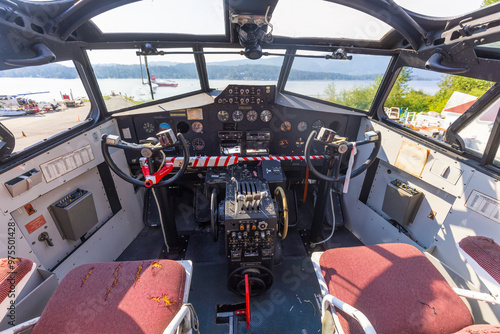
302, 126
318, 124
164, 126
252, 116
223, 116
284, 142
148, 127
197, 127
198, 144
238, 116
300, 142
266, 115
286, 126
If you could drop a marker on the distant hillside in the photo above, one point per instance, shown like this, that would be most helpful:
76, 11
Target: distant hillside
179, 71
360, 68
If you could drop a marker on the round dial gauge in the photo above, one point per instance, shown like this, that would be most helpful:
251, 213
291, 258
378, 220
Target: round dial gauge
198, 144
223, 116
284, 142
252, 116
286, 126
148, 127
197, 127
238, 116
266, 116
300, 142
164, 126
302, 126
318, 124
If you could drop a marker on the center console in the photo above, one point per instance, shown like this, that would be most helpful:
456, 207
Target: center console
250, 219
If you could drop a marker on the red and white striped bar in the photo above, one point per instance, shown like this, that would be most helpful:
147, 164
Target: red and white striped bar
224, 161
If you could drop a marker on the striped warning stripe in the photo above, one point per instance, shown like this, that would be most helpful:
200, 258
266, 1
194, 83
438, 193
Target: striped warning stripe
224, 161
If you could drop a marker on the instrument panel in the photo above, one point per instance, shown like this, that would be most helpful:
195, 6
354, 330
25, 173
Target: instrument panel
243, 120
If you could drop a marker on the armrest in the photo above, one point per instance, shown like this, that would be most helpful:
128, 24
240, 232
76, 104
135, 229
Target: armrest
348, 309
481, 296
185, 320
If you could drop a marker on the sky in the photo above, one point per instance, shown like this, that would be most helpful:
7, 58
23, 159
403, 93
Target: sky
296, 18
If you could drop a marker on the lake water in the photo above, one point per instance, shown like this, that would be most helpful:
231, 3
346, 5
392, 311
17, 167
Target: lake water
134, 88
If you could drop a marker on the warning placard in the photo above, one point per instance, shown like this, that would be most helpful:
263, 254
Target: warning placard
35, 224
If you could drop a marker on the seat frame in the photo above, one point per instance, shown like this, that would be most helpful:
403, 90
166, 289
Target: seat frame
328, 300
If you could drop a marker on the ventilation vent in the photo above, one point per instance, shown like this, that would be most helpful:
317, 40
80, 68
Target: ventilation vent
19, 21
37, 28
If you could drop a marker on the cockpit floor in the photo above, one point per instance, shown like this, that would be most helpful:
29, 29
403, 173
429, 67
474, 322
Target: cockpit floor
288, 307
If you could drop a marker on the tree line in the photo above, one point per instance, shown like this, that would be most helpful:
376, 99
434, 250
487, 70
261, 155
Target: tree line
179, 71
403, 95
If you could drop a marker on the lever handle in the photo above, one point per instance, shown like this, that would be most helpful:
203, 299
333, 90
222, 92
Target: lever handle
44, 236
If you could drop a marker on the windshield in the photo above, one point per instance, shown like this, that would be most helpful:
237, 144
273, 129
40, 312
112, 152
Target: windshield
351, 83
224, 69
123, 76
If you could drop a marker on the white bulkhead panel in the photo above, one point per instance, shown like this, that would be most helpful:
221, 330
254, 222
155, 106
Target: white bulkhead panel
63, 173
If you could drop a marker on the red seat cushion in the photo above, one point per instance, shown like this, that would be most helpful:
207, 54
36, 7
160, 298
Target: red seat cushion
396, 287
12, 273
115, 297
485, 251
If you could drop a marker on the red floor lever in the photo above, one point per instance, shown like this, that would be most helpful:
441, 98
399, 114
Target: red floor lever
247, 295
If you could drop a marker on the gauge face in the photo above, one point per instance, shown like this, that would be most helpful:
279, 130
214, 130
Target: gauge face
238, 115
265, 116
252, 116
197, 127
198, 144
284, 142
148, 127
286, 126
300, 142
318, 124
302, 126
223, 116
164, 126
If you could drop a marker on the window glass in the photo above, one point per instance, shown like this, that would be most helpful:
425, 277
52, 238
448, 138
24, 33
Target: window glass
227, 66
41, 101
442, 8
123, 78
429, 102
200, 17
476, 134
351, 83
318, 18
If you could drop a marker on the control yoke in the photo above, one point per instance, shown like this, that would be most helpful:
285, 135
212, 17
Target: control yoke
149, 150
335, 146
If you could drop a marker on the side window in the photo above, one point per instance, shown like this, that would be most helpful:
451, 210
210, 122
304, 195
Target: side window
476, 134
428, 103
39, 102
